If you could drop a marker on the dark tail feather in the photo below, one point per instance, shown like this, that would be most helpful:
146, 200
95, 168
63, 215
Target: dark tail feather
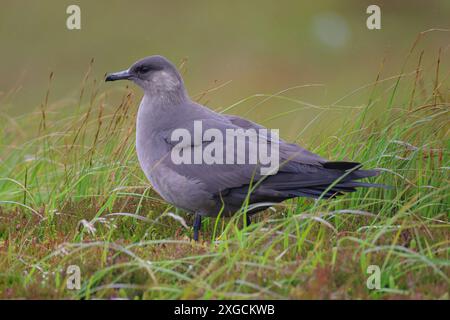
346, 166
348, 183
341, 165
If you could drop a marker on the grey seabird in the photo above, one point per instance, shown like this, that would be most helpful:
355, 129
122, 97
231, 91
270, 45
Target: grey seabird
210, 189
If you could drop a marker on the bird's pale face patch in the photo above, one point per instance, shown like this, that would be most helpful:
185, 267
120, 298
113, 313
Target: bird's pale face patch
165, 80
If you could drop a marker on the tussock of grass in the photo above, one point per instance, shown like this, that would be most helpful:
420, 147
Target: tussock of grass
71, 192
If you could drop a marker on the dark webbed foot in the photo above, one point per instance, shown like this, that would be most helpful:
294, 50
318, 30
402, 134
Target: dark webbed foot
197, 226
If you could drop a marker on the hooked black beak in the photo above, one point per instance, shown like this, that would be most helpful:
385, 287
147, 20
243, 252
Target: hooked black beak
122, 75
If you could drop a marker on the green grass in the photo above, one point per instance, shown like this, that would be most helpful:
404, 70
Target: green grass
72, 192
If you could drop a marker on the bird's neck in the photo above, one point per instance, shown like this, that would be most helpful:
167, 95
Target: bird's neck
158, 109
162, 98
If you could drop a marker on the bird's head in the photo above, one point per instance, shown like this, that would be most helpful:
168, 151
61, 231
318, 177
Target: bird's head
154, 74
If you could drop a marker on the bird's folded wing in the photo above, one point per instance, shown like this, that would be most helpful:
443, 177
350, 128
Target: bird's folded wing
216, 177
288, 151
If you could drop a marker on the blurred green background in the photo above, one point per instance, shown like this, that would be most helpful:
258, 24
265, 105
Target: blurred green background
260, 46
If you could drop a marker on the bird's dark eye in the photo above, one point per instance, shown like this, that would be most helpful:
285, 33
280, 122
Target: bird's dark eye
144, 69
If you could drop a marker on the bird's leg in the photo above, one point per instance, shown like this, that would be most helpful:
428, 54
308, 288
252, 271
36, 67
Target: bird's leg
197, 225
